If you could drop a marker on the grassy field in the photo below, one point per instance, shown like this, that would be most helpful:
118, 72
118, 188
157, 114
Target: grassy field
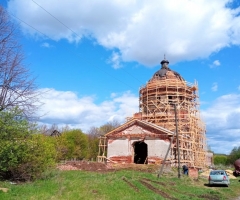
119, 184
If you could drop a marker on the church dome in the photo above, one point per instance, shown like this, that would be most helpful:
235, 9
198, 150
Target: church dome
166, 72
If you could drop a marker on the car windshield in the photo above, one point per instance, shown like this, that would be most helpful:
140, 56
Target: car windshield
217, 173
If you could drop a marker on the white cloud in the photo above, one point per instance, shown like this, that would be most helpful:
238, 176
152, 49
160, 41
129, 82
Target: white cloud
216, 63
223, 123
46, 45
66, 108
141, 31
214, 87
115, 60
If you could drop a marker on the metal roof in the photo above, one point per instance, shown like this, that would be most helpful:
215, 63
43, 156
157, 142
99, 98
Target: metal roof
140, 122
164, 69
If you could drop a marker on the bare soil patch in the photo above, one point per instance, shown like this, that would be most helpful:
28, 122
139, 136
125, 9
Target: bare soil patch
102, 167
85, 166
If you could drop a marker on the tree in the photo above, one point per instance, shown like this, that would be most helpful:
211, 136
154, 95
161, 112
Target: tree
13, 125
220, 159
72, 144
17, 89
234, 155
93, 142
109, 126
93, 131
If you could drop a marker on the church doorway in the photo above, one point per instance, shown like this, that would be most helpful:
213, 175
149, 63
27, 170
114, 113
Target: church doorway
140, 152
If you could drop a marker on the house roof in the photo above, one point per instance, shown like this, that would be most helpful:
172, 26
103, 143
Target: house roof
141, 123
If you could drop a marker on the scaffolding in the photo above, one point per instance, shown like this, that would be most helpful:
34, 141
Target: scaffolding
167, 100
102, 148
156, 104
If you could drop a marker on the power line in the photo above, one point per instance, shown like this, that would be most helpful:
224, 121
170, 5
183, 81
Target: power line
56, 18
75, 33
71, 50
132, 76
29, 25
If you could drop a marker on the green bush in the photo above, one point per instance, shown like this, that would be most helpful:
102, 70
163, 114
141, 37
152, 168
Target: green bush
26, 159
220, 159
72, 144
23, 154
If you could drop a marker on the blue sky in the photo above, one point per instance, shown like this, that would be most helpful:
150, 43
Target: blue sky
91, 57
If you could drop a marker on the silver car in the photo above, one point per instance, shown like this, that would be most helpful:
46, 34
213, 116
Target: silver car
219, 177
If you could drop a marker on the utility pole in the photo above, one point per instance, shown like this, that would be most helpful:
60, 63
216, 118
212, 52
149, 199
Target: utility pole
163, 163
178, 150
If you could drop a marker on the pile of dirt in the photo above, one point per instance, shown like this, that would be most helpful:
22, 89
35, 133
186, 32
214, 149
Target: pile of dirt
230, 174
102, 167
84, 165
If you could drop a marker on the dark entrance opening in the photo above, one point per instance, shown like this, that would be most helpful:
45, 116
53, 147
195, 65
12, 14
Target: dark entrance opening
140, 152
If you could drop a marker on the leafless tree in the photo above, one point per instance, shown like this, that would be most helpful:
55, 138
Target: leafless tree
102, 130
93, 131
17, 88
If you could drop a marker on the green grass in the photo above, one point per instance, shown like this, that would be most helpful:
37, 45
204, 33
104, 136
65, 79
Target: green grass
121, 184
